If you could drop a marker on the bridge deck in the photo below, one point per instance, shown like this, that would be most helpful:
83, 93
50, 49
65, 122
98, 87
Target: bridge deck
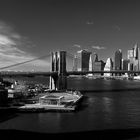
67, 73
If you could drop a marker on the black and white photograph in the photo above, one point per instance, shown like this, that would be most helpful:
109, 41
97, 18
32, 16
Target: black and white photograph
70, 69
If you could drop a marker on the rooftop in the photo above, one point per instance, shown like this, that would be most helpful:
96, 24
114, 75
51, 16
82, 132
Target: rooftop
51, 97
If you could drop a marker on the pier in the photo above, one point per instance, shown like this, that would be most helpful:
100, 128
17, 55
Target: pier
68, 103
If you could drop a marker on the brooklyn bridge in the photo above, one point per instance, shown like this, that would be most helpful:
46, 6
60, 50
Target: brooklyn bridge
58, 71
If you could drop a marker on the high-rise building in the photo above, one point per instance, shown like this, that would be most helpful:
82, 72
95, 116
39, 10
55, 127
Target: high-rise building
125, 63
75, 63
130, 66
130, 54
134, 58
108, 67
98, 66
95, 57
138, 59
136, 51
90, 63
118, 60
84, 56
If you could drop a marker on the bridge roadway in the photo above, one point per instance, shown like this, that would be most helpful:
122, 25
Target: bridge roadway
32, 74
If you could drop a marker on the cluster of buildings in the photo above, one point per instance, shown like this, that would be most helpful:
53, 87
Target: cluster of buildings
88, 61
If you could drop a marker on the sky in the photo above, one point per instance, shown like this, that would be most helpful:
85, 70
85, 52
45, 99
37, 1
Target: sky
33, 28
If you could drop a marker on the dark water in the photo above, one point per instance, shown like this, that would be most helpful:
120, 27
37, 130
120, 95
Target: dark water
108, 104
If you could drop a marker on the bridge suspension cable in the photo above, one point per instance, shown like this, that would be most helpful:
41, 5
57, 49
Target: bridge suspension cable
20, 63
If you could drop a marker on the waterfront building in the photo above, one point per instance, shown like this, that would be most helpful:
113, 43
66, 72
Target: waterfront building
130, 66
138, 59
118, 60
95, 57
130, 54
84, 56
125, 63
90, 63
136, 51
75, 63
108, 67
136, 65
136, 55
98, 66
134, 58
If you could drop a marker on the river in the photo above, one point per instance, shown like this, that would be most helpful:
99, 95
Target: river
107, 104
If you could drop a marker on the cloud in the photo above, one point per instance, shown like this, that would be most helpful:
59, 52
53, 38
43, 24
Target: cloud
98, 47
89, 22
76, 45
11, 49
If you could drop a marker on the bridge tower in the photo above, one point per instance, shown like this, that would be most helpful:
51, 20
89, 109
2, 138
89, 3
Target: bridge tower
58, 64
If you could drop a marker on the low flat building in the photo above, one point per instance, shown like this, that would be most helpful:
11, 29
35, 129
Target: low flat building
50, 100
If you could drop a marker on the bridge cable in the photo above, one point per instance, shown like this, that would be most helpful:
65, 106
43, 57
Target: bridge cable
17, 64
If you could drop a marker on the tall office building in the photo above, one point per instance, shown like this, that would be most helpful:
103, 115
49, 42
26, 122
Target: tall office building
95, 57
75, 63
118, 60
130, 54
138, 59
90, 63
84, 56
136, 51
134, 58
125, 64
136, 55
108, 67
99, 65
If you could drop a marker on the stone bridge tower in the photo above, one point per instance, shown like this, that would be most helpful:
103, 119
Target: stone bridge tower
58, 64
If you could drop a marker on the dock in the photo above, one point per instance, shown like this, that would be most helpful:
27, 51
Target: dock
37, 107
63, 101
44, 108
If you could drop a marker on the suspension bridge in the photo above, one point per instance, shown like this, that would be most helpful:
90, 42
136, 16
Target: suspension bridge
58, 72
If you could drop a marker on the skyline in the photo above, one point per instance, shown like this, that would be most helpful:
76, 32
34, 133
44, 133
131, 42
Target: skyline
29, 29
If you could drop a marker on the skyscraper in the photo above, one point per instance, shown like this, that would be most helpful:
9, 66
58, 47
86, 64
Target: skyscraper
95, 57
136, 55
134, 58
130, 54
90, 63
125, 64
75, 63
136, 51
84, 56
118, 60
108, 67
